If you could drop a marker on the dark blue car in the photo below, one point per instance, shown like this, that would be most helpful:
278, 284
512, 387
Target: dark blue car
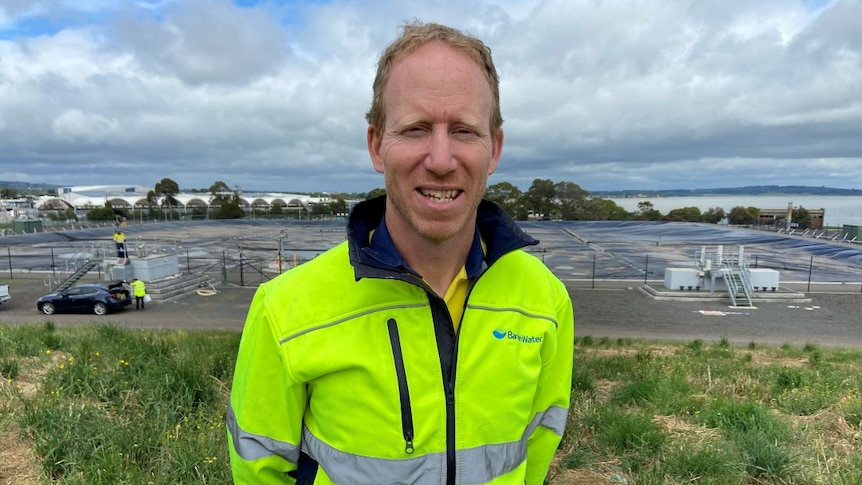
98, 298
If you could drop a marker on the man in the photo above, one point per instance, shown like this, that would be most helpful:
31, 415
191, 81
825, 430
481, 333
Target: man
428, 348
139, 289
120, 242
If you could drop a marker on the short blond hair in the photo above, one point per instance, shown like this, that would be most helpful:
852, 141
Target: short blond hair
416, 34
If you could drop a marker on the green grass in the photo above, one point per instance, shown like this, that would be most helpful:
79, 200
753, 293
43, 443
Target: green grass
102, 405
118, 406
712, 413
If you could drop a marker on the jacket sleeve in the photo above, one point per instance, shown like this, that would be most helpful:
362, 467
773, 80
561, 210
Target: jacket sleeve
551, 403
264, 417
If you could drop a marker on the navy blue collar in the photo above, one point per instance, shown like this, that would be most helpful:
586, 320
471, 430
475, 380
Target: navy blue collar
373, 257
383, 249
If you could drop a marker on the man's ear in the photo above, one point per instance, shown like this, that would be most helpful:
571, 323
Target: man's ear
373, 141
496, 151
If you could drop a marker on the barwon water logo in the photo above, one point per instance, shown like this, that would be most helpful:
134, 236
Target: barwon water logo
510, 335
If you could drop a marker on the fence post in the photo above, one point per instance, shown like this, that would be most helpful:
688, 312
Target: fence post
646, 269
9, 255
223, 267
241, 275
188, 261
53, 265
810, 267
594, 272
280, 253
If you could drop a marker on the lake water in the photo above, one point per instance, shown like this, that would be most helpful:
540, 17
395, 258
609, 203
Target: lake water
840, 210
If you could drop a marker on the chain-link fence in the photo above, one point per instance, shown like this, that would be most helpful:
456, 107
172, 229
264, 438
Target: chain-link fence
582, 254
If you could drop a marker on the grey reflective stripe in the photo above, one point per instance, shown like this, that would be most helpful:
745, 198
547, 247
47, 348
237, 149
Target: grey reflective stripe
515, 310
481, 464
350, 317
555, 419
485, 463
251, 446
347, 468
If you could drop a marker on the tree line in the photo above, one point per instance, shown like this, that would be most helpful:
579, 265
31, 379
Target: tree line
544, 200
567, 201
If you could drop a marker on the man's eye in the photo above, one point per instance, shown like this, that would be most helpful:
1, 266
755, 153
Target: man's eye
462, 132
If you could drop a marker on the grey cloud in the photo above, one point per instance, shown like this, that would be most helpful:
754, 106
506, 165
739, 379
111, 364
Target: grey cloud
605, 94
206, 41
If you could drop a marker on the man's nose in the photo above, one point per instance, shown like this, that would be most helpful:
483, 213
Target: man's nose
440, 158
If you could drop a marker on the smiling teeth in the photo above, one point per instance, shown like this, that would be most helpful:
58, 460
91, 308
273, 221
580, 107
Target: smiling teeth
440, 195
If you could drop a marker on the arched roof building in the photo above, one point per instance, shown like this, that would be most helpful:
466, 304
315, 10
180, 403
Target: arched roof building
135, 197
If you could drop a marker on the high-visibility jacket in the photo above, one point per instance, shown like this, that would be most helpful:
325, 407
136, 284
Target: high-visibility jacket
139, 288
350, 370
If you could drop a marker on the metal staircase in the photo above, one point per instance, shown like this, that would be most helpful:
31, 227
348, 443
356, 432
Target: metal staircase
734, 271
738, 278
736, 282
77, 275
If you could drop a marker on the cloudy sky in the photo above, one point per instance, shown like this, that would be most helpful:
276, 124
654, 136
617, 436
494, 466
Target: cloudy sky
271, 95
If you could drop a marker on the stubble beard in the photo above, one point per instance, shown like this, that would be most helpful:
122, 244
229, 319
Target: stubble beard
433, 227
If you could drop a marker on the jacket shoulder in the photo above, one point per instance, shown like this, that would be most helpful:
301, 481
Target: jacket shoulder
325, 291
521, 279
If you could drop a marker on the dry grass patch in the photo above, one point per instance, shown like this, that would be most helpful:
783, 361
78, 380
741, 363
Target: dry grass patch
19, 464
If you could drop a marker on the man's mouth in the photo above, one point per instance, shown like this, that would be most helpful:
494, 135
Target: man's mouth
440, 195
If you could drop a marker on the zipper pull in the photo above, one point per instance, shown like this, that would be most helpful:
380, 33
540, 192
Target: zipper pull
408, 443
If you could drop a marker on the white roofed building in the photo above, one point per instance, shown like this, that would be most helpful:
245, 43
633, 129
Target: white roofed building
135, 198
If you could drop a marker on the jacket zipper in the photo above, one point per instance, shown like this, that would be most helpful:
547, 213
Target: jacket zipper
403, 391
446, 348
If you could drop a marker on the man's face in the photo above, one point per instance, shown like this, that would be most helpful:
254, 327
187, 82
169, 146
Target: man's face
436, 150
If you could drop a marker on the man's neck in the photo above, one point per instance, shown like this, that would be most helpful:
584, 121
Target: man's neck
439, 262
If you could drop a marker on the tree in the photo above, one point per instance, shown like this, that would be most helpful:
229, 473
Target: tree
802, 218
225, 202
598, 209
647, 212
687, 214
508, 197
100, 214
321, 209
219, 188
230, 209
220, 194
541, 198
713, 215
741, 215
167, 189
338, 206
375, 193
570, 198
8, 193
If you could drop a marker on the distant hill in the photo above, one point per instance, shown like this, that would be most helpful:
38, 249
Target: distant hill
26, 186
748, 190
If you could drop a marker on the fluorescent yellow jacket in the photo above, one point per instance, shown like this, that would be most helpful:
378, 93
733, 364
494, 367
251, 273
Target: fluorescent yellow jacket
350, 371
139, 288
